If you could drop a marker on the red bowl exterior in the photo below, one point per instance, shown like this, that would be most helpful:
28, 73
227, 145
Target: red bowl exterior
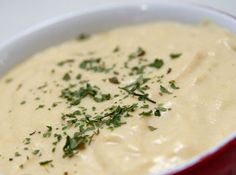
221, 162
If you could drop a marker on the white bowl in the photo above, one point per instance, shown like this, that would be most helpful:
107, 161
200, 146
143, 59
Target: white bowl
105, 17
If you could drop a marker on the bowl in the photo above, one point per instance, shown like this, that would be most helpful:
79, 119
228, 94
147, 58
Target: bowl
220, 159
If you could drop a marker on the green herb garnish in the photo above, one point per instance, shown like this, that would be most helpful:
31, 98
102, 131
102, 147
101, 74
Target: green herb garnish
43, 86
175, 55
114, 80
40, 107
137, 70
35, 152
78, 76
23, 102
159, 109
89, 126
83, 37
145, 106
113, 118
146, 113
45, 162
17, 154
138, 53
116, 49
158, 63
151, 128
164, 90
26, 141
74, 144
138, 89
74, 97
95, 65
66, 77
172, 84
62, 63
8, 80
48, 132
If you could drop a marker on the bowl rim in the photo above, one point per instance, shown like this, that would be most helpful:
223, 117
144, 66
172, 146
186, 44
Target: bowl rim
96, 8
192, 162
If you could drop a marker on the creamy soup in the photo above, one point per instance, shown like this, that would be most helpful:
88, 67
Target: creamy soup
129, 101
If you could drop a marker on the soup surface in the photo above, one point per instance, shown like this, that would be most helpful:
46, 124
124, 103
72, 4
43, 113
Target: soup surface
129, 101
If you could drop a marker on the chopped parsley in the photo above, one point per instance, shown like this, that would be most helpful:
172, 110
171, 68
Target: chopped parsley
113, 118
175, 55
23, 102
138, 89
168, 70
74, 97
164, 90
78, 76
17, 154
89, 127
136, 70
83, 37
40, 107
172, 84
158, 63
145, 106
159, 109
73, 144
43, 163
152, 128
27, 141
138, 53
8, 80
116, 49
43, 86
62, 63
48, 132
95, 65
146, 113
114, 80
66, 77
35, 152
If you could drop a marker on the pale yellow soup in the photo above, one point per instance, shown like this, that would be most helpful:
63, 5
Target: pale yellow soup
129, 101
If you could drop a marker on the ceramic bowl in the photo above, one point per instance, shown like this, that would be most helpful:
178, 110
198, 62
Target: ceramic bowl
220, 159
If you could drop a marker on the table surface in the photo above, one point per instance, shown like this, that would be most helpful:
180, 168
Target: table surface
18, 15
